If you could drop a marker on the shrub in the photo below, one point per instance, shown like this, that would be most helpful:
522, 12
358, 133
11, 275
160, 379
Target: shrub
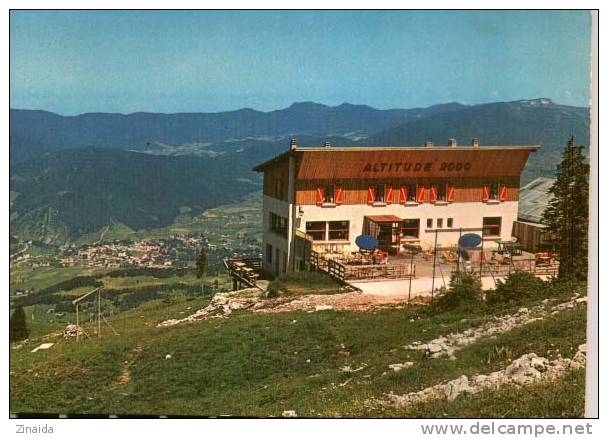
564, 287
464, 290
517, 287
274, 289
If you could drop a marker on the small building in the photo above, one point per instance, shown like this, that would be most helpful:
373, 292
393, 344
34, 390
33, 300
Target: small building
533, 200
328, 196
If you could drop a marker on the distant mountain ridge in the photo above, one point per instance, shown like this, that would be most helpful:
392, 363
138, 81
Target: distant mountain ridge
524, 122
70, 176
144, 130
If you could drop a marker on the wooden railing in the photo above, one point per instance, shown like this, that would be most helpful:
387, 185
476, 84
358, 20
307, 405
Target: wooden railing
501, 270
336, 270
345, 272
245, 270
379, 272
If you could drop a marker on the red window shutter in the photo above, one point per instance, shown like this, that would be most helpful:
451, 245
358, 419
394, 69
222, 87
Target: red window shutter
502, 194
320, 195
433, 194
486, 193
403, 194
371, 195
420, 194
389, 194
450, 193
339, 195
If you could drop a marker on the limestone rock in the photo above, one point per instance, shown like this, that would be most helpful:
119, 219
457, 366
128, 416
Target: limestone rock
399, 366
320, 307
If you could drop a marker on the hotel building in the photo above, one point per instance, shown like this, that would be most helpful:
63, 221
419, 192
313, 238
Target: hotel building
324, 197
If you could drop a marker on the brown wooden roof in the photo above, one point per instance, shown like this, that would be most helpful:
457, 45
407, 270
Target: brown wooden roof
397, 162
382, 163
383, 218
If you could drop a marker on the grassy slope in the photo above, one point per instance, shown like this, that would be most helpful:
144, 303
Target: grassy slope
28, 278
145, 280
261, 364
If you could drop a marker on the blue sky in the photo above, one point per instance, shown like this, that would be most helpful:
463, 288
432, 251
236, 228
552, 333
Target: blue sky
178, 61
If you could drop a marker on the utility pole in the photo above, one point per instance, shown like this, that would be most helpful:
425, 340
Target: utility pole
409, 292
77, 324
434, 262
458, 251
99, 313
481, 257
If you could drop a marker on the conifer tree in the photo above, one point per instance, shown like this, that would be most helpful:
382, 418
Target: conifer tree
18, 325
567, 214
201, 263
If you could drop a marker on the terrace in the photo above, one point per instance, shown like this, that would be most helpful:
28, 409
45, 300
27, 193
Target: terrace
434, 265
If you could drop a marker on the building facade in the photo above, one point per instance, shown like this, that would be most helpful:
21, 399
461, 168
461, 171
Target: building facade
534, 198
401, 195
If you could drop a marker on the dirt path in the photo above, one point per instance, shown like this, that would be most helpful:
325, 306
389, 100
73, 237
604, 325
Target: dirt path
125, 376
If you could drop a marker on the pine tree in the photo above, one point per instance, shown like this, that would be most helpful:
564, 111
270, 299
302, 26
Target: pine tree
567, 214
201, 263
18, 325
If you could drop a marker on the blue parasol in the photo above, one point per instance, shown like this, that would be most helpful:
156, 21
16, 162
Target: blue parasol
470, 240
366, 242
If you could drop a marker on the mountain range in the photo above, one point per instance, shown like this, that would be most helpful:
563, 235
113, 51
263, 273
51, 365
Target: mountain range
73, 175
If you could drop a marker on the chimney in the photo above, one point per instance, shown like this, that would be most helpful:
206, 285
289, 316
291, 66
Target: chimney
293, 144
428, 144
452, 142
327, 144
475, 142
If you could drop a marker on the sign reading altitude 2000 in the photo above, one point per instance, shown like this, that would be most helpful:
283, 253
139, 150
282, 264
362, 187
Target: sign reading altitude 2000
417, 167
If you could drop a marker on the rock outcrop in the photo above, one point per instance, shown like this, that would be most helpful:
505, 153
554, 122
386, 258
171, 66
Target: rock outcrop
449, 344
526, 370
221, 305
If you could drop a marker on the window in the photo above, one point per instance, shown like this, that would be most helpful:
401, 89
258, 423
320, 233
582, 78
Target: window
494, 190
490, 191
338, 230
410, 228
378, 191
411, 192
429, 223
491, 226
278, 224
450, 222
328, 192
442, 194
268, 253
407, 193
439, 222
316, 230
279, 189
